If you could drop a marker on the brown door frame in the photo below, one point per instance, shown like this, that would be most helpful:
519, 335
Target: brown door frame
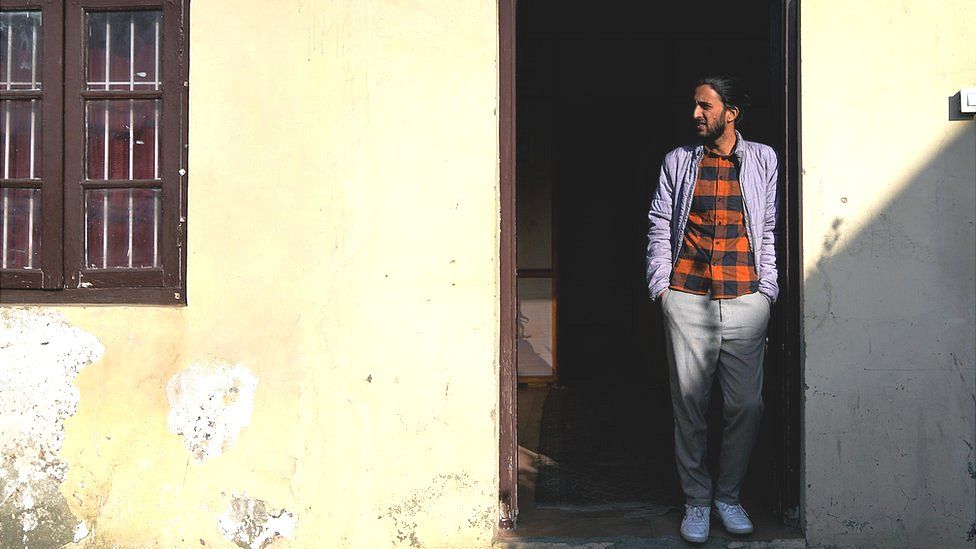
789, 339
508, 437
789, 344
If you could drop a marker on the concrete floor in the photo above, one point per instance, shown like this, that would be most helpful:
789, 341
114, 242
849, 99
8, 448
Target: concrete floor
615, 525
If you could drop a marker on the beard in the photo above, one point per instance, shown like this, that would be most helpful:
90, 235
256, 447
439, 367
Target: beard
709, 132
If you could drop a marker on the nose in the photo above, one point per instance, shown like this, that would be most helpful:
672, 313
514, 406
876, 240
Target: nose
697, 113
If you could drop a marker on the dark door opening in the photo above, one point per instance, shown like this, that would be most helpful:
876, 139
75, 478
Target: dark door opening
602, 92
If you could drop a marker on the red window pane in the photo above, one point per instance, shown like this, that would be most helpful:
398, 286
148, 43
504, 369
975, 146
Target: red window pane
122, 228
21, 228
123, 50
122, 139
20, 50
20, 139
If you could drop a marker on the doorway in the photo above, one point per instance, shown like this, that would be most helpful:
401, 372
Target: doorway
600, 93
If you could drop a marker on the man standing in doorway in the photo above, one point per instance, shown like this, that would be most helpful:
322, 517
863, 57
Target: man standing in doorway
711, 262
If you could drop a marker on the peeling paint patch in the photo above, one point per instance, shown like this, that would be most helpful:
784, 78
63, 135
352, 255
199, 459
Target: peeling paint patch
210, 402
250, 524
405, 513
40, 356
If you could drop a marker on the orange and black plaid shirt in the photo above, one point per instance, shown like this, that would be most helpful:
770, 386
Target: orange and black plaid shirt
715, 256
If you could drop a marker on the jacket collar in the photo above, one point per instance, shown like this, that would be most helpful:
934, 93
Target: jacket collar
740, 147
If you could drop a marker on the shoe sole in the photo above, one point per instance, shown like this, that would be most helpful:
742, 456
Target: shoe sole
692, 539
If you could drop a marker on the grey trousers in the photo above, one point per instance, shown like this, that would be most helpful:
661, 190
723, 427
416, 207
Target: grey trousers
707, 337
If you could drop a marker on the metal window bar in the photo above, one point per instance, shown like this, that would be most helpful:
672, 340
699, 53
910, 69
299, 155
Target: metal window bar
132, 81
85, 225
156, 75
30, 230
33, 135
157, 78
156, 141
33, 55
156, 230
33, 113
132, 57
108, 78
7, 105
105, 84
104, 229
6, 218
33, 147
10, 57
131, 215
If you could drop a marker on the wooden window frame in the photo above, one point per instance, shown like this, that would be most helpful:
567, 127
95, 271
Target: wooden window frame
51, 101
65, 278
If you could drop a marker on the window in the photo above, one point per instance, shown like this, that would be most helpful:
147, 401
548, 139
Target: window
93, 103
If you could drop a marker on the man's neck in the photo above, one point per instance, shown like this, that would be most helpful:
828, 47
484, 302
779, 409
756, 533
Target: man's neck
723, 144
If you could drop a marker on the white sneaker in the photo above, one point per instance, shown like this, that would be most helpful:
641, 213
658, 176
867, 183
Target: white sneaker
694, 527
734, 518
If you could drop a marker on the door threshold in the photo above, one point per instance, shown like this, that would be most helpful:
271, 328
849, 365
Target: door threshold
637, 542
632, 525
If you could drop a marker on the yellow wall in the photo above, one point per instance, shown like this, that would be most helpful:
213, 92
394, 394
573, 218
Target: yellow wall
343, 221
889, 187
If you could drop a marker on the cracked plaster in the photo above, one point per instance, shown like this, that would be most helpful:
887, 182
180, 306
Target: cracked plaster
40, 356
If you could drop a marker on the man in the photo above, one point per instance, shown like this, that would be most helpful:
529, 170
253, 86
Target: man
711, 262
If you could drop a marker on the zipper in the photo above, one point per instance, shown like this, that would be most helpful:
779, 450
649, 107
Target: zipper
745, 213
686, 207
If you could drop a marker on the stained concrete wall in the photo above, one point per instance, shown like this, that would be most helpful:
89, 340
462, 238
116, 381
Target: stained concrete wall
889, 193
333, 380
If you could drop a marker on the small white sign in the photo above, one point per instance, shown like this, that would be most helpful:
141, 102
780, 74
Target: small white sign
967, 100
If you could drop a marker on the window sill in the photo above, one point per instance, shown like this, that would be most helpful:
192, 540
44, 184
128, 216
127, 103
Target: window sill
175, 297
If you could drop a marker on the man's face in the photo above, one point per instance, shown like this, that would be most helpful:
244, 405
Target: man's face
711, 116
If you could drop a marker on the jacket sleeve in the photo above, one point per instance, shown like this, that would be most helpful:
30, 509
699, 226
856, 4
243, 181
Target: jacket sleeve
768, 281
659, 259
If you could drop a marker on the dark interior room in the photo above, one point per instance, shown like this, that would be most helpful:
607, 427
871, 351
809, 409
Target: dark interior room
603, 91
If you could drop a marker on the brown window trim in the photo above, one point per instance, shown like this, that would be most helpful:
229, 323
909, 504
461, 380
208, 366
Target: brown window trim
94, 296
64, 143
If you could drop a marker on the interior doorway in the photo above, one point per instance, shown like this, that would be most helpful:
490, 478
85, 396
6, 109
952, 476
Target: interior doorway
600, 93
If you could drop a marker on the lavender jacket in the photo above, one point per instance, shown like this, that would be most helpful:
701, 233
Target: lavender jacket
668, 216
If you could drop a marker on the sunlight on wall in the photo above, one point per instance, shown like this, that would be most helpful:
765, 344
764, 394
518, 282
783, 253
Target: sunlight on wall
875, 105
343, 244
844, 193
889, 310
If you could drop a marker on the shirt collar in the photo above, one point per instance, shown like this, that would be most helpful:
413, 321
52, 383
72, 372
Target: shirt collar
736, 151
732, 153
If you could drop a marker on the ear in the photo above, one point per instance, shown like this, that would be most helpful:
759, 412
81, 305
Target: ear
731, 114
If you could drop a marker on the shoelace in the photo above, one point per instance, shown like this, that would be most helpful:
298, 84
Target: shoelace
735, 510
697, 513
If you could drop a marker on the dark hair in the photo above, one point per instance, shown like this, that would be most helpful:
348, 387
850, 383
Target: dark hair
730, 90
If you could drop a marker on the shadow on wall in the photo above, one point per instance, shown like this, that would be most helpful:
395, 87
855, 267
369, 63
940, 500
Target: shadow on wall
889, 319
